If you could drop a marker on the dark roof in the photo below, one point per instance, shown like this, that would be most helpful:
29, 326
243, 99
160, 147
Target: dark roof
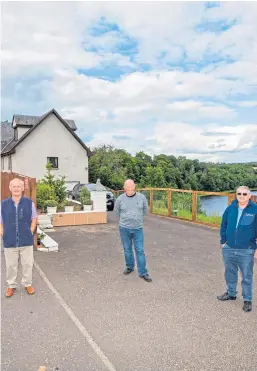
7, 133
7, 148
13, 144
25, 120
71, 124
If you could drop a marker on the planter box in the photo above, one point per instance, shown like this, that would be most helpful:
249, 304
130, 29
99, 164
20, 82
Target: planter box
79, 218
87, 207
51, 210
69, 209
99, 200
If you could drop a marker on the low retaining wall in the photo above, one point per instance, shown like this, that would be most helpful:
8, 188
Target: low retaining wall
79, 218
47, 243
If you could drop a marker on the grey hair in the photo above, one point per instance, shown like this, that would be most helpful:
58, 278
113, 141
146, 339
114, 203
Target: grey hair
245, 187
15, 179
128, 181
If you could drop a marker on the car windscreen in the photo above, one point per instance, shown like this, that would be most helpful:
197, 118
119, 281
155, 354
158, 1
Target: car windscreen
91, 187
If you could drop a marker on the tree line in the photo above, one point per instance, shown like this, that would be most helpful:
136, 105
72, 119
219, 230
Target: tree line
113, 166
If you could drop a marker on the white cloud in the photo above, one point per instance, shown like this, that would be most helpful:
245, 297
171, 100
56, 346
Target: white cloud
207, 110
118, 139
250, 103
189, 81
44, 41
210, 143
241, 70
138, 98
185, 138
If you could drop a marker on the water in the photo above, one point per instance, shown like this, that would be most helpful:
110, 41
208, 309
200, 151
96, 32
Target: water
215, 205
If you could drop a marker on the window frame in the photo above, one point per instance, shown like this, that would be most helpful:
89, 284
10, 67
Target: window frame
55, 159
10, 163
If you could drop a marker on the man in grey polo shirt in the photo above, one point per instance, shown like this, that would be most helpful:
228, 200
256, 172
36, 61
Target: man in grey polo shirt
131, 207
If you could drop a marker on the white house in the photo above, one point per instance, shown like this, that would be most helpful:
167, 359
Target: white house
29, 142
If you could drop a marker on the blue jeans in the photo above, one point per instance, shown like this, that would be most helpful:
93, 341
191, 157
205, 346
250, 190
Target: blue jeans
135, 236
244, 260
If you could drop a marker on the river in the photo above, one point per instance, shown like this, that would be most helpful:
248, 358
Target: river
215, 205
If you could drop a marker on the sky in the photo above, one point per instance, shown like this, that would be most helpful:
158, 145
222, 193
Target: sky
177, 78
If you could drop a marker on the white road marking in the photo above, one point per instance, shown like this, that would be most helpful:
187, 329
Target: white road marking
76, 321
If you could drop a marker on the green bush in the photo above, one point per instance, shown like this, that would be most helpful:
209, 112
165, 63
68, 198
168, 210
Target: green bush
41, 236
68, 203
85, 196
60, 189
44, 192
50, 203
57, 184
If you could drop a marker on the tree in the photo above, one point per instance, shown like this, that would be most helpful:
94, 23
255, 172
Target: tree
113, 166
57, 184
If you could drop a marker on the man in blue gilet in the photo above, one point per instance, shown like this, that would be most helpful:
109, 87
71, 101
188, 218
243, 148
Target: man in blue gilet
18, 224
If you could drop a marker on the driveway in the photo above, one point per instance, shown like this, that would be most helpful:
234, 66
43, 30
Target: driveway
86, 315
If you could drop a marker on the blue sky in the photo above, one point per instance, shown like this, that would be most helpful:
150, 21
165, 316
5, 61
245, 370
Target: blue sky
174, 77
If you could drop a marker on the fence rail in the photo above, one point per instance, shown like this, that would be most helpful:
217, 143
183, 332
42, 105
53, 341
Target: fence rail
183, 204
29, 185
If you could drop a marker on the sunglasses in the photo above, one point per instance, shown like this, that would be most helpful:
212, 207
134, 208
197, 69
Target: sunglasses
242, 194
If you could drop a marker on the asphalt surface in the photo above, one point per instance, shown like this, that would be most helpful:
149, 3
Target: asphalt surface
173, 323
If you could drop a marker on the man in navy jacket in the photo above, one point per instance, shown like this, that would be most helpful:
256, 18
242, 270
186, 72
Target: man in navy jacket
18, 224
238, 235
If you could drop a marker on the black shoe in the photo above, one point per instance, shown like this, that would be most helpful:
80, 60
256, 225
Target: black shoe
128, 271
247, 306
226, 296
146, 277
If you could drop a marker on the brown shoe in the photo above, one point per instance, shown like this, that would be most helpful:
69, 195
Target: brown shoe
30, 290
9, 292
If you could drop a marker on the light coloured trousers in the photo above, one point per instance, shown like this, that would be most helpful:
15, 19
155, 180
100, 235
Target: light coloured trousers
12, 255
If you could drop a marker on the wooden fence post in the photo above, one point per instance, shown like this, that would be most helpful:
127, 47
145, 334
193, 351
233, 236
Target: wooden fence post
194, 205
151, 200
231, 197
169, 202
254, 198
33, 188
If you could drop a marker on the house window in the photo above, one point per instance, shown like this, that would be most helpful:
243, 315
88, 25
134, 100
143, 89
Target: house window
10, 163
53, 161
2, 163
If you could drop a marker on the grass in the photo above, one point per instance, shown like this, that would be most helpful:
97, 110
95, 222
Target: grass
211, 219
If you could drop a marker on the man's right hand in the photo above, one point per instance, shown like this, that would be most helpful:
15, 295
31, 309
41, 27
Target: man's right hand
223, 245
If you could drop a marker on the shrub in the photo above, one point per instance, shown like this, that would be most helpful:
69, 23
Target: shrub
44, 192
40, 236
57, 184
60, 189
68, 203
85, 196
88, 202
50, 203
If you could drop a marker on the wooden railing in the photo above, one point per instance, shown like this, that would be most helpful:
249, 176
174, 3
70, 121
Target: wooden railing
190, 212
29, 185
